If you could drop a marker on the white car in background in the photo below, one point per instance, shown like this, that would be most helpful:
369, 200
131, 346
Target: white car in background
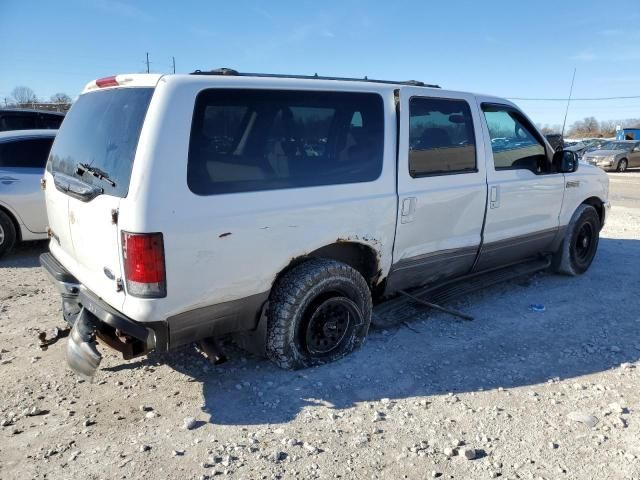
23, 215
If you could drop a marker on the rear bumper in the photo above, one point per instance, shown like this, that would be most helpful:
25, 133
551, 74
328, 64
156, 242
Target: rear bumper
99, 319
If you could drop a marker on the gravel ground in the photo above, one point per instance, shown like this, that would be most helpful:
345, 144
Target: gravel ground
513, 394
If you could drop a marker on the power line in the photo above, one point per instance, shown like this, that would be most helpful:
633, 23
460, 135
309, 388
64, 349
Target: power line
584, 99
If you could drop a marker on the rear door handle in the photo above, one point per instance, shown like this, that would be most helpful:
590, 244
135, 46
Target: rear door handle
408, 209
8, 180
494, 197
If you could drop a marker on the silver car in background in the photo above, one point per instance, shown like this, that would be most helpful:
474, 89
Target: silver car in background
23, 215
615, 155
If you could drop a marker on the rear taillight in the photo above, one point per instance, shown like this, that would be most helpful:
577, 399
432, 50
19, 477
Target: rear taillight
144, 269
107, 82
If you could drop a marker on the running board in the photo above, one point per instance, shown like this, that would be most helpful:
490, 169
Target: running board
401, 308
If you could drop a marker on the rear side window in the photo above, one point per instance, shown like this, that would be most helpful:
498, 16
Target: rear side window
18, 121
441, 137
514, 144
102, 130
249, 140
27, 153
50, 121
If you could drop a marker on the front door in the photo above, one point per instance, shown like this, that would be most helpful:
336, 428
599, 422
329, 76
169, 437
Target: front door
441, 187
525, 194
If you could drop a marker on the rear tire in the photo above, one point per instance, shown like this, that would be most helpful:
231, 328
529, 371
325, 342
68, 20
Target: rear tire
318, 312
7, 234
622, 165
575, 255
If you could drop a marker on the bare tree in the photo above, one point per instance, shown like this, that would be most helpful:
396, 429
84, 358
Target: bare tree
589, 127
23, 95
62, 98
608, 128
62, 101
547, 129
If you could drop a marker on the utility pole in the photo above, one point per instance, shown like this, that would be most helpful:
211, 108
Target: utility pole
173, 61
147, 62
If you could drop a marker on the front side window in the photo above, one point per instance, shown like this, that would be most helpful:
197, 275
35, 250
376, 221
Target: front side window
513, 142
251, 140
26, 153
441, 137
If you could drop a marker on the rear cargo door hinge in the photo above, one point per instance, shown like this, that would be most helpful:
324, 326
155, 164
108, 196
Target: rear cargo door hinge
114, 216
119, 285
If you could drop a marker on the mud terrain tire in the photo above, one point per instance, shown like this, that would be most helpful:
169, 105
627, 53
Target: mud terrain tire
319, 311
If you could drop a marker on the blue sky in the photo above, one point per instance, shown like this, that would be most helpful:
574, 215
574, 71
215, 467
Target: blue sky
507, 48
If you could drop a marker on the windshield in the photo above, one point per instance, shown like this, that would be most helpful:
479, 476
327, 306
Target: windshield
101, 131
617, 146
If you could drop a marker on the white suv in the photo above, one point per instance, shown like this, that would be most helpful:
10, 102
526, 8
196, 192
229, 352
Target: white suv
279, 208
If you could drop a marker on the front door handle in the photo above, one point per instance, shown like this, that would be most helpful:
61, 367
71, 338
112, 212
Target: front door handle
494, 197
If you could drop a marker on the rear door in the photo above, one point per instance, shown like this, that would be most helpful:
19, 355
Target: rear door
22, 163
100, 135
441, 187
525, 194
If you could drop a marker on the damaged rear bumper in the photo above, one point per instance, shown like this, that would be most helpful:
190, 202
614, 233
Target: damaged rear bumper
91, 318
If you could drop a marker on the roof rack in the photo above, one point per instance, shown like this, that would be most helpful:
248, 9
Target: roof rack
232, 72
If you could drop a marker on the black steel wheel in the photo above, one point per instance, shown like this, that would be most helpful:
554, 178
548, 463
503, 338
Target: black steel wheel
328, 325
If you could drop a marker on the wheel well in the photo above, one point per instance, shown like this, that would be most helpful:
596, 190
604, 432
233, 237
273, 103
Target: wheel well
14, 221
596, 203
359, 256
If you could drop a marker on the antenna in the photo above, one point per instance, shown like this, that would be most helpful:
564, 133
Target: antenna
147, 62
173, 60
564, 123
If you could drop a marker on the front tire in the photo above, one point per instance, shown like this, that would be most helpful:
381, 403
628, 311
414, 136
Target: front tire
580, 243
622, 165
318, 312
7, 234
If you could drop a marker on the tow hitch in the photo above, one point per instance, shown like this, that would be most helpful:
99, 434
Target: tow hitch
82, 354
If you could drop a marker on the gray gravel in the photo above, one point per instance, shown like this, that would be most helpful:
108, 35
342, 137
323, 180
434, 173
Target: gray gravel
513, 394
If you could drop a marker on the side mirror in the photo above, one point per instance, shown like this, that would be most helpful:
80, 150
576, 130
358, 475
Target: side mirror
565, 161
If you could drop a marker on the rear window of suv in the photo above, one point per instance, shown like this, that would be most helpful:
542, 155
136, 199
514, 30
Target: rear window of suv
250, 140
101, 130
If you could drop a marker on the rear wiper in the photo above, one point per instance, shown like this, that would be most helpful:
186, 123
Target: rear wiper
83, 168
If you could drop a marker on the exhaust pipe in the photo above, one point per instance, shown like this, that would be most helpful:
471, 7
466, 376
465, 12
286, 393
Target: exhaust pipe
82, 355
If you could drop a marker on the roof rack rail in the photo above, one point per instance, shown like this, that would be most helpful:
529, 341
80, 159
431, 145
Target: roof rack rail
232, 72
